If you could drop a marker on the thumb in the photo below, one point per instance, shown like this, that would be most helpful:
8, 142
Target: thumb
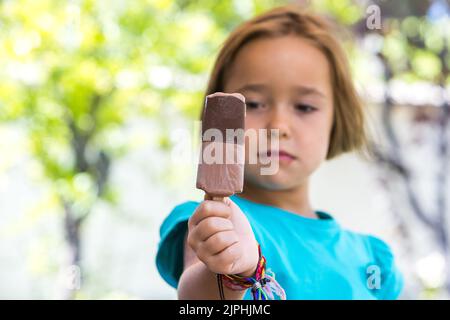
227, 201
231, 203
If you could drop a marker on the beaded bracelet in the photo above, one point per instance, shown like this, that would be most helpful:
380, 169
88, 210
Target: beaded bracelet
263, 284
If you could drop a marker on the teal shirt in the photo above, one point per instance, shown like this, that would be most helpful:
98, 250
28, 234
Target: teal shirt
311, 258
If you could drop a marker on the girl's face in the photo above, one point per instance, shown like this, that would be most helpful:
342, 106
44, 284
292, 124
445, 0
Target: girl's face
287, 86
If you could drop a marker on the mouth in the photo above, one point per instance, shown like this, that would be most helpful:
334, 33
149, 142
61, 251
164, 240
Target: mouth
281, 154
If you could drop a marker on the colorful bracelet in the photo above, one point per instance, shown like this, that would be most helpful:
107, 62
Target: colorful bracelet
263, 284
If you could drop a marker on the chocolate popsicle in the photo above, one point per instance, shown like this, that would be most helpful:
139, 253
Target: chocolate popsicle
221, 168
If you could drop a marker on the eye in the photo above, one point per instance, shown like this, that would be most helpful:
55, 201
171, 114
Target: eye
253, 105
305, 108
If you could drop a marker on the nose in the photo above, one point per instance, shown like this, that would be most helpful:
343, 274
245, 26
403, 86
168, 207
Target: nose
279, 119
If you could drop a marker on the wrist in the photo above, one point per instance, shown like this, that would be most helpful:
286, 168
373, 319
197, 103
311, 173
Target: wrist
248, 274
263, 285
251, 272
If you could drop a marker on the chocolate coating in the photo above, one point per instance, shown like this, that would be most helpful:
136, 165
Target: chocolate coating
222, 178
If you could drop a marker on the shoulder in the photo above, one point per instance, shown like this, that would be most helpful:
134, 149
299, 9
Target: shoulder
384, 264
179, 213
379, 249
379, 263
183, 208
169, 258
373, 247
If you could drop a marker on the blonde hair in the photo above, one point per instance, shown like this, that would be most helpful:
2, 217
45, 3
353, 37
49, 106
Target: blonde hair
348, 128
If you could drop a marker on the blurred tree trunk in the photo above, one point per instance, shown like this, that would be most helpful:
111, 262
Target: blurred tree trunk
392, 159
72, 279
99, 170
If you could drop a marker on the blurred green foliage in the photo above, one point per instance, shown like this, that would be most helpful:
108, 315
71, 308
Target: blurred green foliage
73, 73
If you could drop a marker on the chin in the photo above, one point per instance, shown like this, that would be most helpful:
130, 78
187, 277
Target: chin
282, 185
275, 182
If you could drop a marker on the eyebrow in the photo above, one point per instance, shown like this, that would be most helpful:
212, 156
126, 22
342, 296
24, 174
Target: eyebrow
253, 87
302, 90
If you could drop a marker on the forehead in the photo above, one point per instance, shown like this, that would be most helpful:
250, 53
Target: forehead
280, 61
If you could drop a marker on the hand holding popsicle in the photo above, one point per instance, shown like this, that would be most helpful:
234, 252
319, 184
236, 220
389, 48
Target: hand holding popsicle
222, 238
219, 232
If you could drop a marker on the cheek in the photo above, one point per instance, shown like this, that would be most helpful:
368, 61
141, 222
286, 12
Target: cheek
252, 126
314, 139
253, 122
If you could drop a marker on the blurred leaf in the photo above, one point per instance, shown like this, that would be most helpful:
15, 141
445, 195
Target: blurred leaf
426, 64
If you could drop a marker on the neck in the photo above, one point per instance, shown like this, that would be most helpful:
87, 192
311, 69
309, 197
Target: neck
295, 200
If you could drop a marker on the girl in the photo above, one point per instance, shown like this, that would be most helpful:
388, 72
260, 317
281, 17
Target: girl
295, 78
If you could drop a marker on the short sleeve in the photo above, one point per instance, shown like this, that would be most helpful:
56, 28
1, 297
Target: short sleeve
169, 258
391, 284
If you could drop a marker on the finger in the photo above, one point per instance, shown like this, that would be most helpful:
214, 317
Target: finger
217, 243
210, 226
209, 208
226, 260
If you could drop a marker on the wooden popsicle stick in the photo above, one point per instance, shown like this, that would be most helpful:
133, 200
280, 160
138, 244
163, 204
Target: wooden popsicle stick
214, 198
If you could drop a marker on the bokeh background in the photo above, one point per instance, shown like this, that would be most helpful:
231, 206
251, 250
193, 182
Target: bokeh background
98, 109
